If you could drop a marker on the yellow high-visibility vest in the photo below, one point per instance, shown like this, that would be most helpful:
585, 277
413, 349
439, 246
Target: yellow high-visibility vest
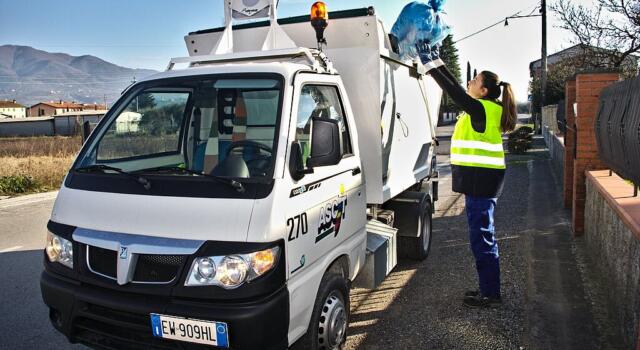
475, 149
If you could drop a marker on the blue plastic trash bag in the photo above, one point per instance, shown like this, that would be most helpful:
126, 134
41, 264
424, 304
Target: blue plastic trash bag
414, 21
437, 5
418, 29
440, 30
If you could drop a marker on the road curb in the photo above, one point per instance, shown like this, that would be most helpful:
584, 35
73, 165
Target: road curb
28, 199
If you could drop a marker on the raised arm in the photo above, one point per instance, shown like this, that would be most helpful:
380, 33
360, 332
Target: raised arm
449, 84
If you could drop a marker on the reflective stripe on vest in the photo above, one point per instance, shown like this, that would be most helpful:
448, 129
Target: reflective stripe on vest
474, 149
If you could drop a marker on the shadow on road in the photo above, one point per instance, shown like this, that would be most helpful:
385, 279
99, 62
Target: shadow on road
25, 318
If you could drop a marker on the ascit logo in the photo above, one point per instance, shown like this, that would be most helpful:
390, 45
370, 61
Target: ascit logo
331, 216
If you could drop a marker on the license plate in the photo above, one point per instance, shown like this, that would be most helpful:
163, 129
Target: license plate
194, 331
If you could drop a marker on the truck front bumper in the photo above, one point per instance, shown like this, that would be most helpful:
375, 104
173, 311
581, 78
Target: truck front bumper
107, 319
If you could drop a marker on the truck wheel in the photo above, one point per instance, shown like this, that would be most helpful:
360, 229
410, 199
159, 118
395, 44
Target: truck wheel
417, 248
330, 318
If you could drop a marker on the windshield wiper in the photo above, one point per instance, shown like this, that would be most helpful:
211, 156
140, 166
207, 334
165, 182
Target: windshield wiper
139, 179
230, 182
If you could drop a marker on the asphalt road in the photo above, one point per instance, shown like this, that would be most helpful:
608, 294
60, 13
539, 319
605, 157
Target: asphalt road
546, 301
24, 320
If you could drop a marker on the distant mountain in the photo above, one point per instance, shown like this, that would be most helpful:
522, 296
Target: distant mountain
30, 76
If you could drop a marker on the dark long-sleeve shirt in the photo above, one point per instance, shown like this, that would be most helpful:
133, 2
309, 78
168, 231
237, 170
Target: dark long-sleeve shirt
472, 106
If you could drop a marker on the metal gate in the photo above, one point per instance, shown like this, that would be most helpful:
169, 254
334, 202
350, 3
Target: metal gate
617, 128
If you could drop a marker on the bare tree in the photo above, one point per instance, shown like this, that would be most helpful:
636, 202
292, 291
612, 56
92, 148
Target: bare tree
610, 29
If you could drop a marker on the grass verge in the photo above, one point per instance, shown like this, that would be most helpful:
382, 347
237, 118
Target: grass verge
35, 164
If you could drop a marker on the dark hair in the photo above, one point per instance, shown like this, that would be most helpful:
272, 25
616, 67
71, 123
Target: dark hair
491, 82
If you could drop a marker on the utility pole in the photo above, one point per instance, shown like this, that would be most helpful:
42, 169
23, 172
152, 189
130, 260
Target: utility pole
137, 104
543, 76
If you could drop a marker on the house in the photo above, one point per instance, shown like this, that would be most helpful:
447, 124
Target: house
93, 107
11, 109
580, 50
65, 124
53, 108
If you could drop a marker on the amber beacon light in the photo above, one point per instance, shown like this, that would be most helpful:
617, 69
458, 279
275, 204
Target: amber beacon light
319, 21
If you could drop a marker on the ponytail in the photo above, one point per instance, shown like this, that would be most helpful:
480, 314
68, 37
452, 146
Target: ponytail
509, 112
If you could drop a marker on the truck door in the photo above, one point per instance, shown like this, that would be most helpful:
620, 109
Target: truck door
326, 207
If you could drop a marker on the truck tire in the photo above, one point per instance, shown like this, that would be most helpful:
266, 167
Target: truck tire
330, 318
417, 248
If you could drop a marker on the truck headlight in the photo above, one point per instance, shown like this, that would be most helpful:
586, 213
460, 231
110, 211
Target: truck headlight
59, 250
231, 271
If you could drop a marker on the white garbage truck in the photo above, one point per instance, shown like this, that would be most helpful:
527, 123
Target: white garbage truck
234, 199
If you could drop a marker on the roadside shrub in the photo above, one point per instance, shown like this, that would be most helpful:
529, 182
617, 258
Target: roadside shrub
520, 139
46, 171
17, 184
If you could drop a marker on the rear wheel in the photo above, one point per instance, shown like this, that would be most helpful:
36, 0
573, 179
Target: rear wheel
330, 318
417, 248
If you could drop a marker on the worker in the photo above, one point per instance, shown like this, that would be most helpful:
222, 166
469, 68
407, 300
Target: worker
478, 164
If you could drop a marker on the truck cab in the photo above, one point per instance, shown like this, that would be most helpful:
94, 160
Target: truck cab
230, 203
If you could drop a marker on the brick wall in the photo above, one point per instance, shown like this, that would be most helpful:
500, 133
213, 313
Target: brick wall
569, 142
587, 96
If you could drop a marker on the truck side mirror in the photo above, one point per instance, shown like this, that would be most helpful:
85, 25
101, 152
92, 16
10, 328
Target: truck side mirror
326, 147
296, 164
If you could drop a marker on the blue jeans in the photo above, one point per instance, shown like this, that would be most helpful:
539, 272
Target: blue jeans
482, 239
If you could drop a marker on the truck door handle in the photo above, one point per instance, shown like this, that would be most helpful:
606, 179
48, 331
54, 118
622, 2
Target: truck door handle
356, 171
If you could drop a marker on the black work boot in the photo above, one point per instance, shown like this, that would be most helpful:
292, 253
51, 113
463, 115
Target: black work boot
479, 301
471, 293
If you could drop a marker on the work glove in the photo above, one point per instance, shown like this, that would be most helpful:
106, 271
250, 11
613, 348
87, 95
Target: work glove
423, 47
429, 55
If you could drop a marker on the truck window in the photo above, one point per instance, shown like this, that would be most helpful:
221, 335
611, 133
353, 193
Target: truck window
220, 126
150, 125
320, 101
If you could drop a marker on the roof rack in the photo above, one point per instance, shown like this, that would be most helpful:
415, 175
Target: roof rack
314, 57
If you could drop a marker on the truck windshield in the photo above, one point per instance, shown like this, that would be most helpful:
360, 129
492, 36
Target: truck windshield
224, 127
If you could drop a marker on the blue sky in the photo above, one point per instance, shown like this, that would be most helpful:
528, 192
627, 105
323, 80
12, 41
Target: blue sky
146, 33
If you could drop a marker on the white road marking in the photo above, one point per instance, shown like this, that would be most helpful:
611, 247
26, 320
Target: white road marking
26, 200
10, 249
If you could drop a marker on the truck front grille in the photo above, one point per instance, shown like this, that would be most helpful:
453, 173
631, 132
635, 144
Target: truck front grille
158, 268
103, 261
150, 268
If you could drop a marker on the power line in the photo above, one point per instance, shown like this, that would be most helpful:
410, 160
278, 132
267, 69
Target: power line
480, 31
499, 22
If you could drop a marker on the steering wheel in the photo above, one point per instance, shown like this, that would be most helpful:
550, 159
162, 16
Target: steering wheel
259, 163
248, 143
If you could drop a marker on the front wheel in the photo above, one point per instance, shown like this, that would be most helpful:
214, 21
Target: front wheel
330, 318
